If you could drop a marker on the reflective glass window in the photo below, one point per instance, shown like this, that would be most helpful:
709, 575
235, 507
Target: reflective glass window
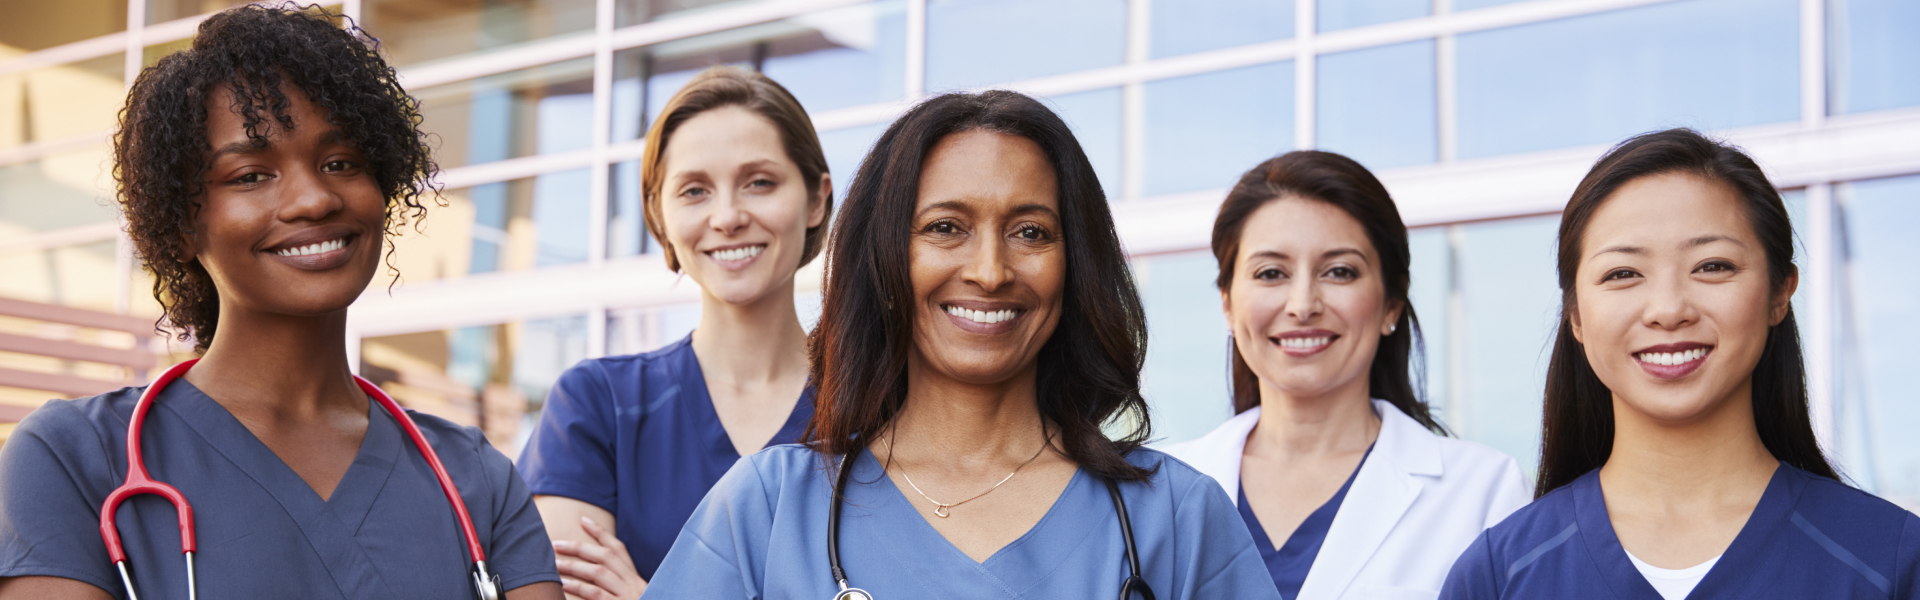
61, 191
1095, 119
28, 25
846, 149
830, 59
542, 110
635, 12
1509, 308
1378, 105
1200, 25
509, 226
489, 376
1597, 79
1203, 131
973, 43
1185, 381
82, 275
1343, 14
414, 32
636, 330
626, 220
1875, 325
1460, 5
1874, 53
61, 102
1431, 294
161, 11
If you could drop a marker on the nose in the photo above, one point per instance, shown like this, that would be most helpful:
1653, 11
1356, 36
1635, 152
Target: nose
729, 216
308, 196
1303, 299
1669, 305
987, 268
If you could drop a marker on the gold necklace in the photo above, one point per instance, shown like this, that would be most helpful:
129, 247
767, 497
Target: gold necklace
944, 509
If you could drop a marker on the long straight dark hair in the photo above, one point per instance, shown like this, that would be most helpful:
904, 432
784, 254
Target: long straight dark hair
1089, 370
1577, 427
1343, 183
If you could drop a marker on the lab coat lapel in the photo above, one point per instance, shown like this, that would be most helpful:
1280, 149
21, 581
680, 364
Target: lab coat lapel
1217, 454
345, 561
1386, 486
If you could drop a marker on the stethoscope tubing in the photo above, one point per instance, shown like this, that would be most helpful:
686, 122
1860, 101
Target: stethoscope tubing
139, 482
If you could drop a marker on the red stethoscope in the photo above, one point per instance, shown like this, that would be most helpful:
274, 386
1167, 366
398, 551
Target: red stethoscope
485, 584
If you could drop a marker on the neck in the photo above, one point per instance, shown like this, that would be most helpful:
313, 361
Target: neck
753, 344
1338, 421
279, 366
968, 424
1707, 459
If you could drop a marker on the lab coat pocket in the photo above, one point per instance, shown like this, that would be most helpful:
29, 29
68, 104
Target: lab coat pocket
1383, 592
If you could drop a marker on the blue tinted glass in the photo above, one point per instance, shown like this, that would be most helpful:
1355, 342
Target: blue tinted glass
626, 226
546, 348
541, 110
1875, 329
1431, 267
845, 149
1095, 119
1377, 105
974, 43
1186, 378
559, 210
1200, 25
1875, 47
1510, 304
1709, 64
829, 59
1203, 131
1342, 14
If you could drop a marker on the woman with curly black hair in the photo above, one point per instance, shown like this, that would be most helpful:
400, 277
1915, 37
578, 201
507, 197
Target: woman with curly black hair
260, 172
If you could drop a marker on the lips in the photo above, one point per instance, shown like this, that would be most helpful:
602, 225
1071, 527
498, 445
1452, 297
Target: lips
983, 318
315, 248
1304, 342
1672, 361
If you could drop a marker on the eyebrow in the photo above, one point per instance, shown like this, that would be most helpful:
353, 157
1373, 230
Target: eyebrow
261, 145
1324, 255
1692, 243
963, 207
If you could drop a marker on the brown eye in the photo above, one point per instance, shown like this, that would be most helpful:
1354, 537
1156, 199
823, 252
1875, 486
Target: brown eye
1343, 273
1617, 274
943, 228
1032, 233
1269, 274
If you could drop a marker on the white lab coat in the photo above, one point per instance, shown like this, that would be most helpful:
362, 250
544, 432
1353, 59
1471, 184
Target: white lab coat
1416, 504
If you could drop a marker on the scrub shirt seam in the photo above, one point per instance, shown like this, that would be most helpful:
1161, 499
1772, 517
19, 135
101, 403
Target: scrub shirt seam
1178, 505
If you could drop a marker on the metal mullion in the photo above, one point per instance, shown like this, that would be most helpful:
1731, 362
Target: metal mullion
122, 243
1304, 27
916, 75
602, 170
1133, 99
1813, 62
1819, 329
1446, 88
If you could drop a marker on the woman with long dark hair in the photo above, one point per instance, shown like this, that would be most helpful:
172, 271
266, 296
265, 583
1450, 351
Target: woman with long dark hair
1678, 458
1348, 485
979, 328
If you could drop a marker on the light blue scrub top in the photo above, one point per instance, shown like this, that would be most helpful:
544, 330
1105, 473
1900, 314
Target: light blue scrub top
762, 533
387, 531
1810, 537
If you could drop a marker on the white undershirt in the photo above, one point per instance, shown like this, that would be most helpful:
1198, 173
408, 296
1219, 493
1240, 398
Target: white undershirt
1673, 584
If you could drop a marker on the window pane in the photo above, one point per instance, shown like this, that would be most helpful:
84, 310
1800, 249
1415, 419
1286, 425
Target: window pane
1876, 328
637, 330
827, 60
1710, 64
1875, 53
161, 11
1377, 105
1342, 14
1203, 131
413, 32
1094, 118
56, 192
82, 275
27, 25
635, 12
1510, 306
510, 226
1186, 380
541, 110
1430, 293
626, 221
1201, 25
489, 376
61, 102
974, 43
846, 149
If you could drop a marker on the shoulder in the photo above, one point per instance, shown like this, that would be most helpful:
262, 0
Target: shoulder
1538, 523
626, 370
90, 423
1228, 436
1171, 477
1847, 515
460, 447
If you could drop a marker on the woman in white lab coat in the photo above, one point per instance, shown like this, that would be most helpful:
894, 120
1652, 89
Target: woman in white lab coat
1349, 486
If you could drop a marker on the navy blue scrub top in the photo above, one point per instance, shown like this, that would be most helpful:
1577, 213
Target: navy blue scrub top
1289, 564
638, 437
386, 532
1809, 537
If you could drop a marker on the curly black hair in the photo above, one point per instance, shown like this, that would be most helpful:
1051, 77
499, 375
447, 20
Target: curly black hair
161, 150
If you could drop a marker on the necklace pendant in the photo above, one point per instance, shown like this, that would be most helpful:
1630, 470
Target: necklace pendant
942, 510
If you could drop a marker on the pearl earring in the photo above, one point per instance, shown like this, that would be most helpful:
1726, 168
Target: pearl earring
1392, 327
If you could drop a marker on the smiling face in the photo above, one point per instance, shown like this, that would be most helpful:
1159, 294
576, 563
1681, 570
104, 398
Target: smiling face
736, 208
291, 226
1673, 301
1307, 305
988, 262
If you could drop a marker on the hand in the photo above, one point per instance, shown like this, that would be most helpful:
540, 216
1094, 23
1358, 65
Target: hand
598, 571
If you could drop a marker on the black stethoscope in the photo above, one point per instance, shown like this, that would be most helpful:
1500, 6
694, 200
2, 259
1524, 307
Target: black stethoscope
1129, 588
486, 585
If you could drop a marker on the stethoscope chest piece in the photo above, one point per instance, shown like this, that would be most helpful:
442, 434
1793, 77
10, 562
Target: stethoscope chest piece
853, 594
486, 586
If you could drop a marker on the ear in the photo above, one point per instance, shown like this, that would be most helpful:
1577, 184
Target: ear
1573, 321
1226, 307
1392, 317
817, 211
1782, 299
190, 239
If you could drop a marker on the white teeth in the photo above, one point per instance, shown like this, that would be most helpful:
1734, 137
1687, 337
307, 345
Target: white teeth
315, 248
1312, 342
988, 317
1672, 358
741, 253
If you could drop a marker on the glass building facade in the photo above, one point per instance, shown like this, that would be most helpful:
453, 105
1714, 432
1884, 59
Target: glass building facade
1480, 115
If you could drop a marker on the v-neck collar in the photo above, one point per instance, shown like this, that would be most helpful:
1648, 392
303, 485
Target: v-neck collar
329, 525
1757, 537
1022, 564
693, 383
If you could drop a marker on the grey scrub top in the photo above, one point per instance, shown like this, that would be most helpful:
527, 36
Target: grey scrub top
386, 532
